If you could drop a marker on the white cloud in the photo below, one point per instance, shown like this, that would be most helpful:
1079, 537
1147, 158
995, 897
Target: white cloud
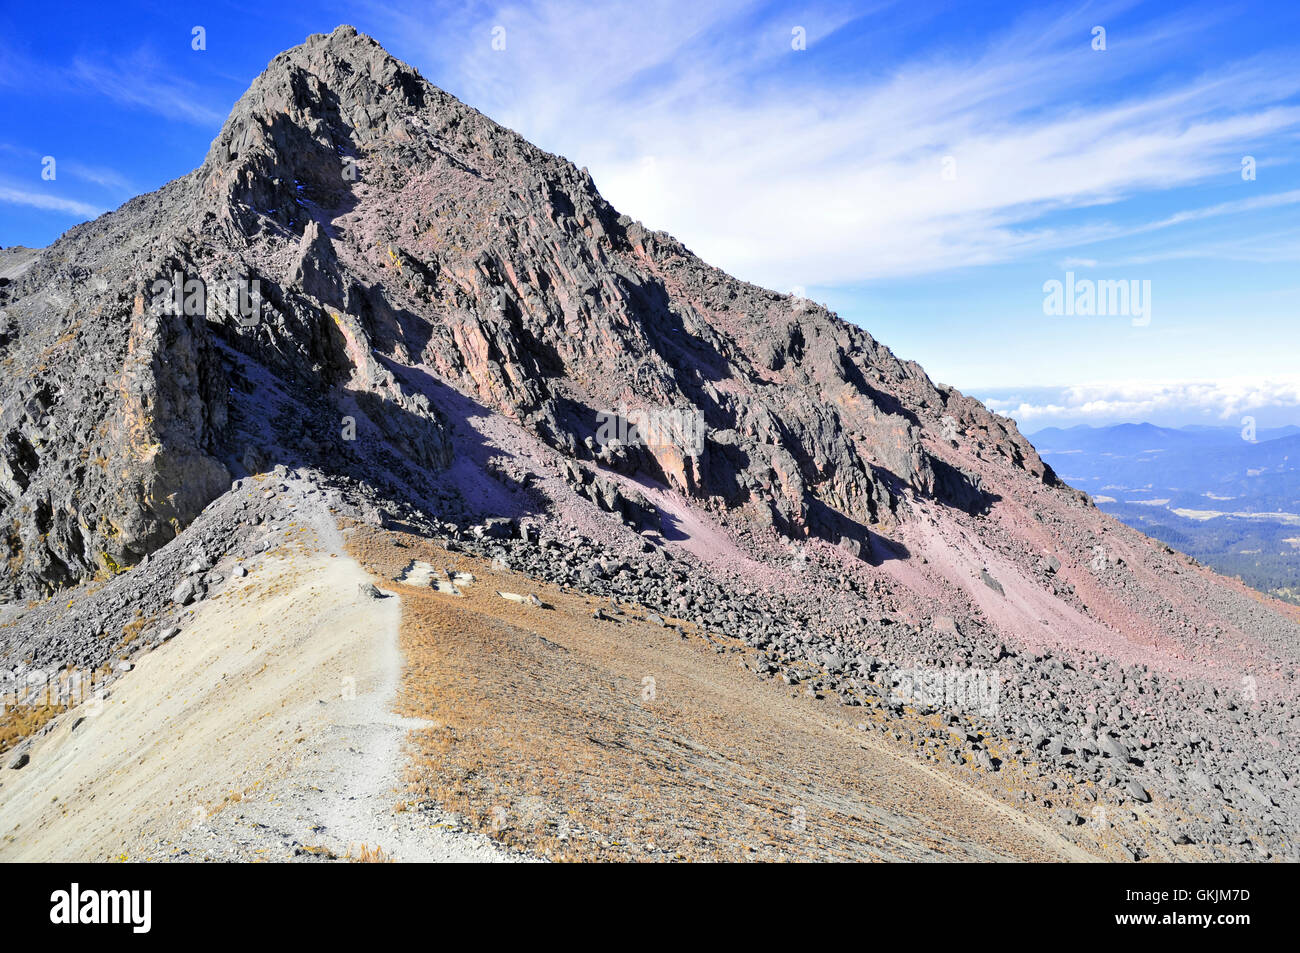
1143, 400
137, 79
99, 175
96, 174
806, 177
140, 83
51, 203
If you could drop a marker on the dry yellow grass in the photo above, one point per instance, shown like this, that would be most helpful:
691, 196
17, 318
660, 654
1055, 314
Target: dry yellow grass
580, 739
71, 687
21, 721
364, 855
131, 631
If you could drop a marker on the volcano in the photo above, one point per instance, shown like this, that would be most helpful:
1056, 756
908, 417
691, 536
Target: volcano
374, 306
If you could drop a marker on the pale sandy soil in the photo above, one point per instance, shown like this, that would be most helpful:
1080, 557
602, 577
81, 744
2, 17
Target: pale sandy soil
262, 731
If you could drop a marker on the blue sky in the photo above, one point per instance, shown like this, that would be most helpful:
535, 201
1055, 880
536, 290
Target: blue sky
922, 168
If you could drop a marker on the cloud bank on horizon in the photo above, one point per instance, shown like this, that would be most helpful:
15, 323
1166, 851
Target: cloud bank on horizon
923, 169
1215, 403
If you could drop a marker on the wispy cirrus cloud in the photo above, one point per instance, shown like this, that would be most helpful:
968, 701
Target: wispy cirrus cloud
788, 173
99, 175
137, 80
47, 202
140, 82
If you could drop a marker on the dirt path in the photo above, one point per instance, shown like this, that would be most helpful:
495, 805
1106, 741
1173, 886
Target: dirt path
263, 731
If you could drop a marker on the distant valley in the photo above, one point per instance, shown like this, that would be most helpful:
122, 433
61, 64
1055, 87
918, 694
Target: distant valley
1232, 503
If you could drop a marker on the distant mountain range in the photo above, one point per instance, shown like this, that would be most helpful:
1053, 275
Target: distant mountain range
1229, 501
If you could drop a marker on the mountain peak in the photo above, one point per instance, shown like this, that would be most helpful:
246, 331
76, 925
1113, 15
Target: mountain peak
314, 108
402, 243
322, 111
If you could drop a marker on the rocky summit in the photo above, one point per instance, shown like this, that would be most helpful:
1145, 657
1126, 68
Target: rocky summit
373, 309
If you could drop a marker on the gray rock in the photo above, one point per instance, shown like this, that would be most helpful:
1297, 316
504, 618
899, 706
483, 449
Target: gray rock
1137, 792
185, 592
1113, 748
991, 582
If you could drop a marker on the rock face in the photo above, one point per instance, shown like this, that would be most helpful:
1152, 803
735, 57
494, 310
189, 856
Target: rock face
363, 239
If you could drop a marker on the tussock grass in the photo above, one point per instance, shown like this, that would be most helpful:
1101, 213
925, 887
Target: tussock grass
22, 721
365, 854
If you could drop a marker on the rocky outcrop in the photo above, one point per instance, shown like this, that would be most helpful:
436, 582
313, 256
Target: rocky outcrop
359, 237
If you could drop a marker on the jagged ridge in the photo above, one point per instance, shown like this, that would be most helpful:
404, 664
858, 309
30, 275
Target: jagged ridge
389, 226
